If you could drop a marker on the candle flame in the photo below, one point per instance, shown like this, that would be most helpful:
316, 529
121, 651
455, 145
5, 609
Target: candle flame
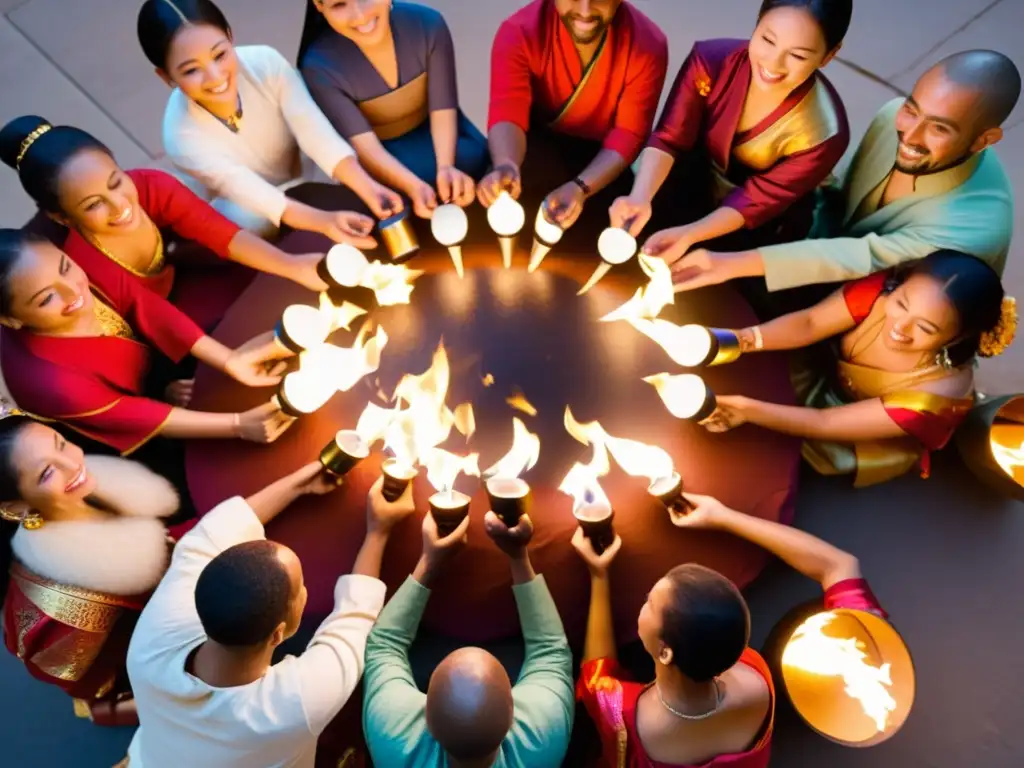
443, 468
374, 422
582, 480
1011, 460
683, 394
521, 457
465, 421
636, 459
340, 317
391, 283
687, 345
811, 650
520, 403
649, 300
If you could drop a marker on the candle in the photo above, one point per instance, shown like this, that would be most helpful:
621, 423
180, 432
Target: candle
510, 499
615, 246
546, 235
596, 521
399, 237
507, 218
397, 477
449, 508
343, 452
669, 491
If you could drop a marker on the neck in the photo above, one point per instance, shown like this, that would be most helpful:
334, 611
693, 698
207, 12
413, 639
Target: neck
221, 109
223, 667
77, 510
483, 762
586, 51
682, 693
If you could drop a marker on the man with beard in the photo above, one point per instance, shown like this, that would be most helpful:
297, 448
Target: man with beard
924, 178
575, 86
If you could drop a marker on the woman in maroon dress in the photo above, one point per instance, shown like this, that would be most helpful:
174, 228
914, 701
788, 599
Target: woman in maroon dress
771, 126
118, 221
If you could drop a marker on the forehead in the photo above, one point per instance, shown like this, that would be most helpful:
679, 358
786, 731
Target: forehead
88, 166
938, 96
193, 41
795, 24
292, 565
35, 268
34, 443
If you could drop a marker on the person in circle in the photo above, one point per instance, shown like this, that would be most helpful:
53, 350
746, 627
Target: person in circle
925, 177
240, 122
384, 74
121, 223
82, 542
904, 346
78, 355
574, 91
766, 126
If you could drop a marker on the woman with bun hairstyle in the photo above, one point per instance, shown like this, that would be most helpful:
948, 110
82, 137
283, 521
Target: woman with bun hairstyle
118, 221
241, 123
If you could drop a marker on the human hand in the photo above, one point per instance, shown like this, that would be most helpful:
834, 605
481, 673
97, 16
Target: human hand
597, 564
179, 393
383, 202
262, 424
699, 512
729, 414
630, 213
565, 204
454, 186
302, 270
701, 268
314, 480
424, 200
258, 362
382, 515
512, 541
504, 178
669, 245
436, 548
348, 227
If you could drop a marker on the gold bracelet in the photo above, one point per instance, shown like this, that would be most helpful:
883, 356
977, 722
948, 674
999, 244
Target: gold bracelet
758, 338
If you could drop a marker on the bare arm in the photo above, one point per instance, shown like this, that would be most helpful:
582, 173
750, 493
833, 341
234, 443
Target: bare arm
253, 251
383, 164
800, 329
865, 420
276, 497
183, 423
600, 639
444, 130
507, 142
655, 166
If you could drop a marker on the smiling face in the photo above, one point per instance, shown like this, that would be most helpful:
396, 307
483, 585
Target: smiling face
919, 317
365, 22
201, 61
51, 473
48, 292
787, 47
97, 197
586, 20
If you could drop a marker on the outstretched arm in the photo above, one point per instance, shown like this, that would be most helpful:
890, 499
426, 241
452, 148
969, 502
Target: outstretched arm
800, 329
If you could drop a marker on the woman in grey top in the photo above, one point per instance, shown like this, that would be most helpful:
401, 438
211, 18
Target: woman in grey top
384, 74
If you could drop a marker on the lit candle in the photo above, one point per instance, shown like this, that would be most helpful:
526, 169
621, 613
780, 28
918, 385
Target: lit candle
615, 246
448, 508
595, 519
397, 476
343, 452
686, 395
507, 218
546, 235
399, 237
450, 225
508, 494
302, 327
343, 266
302, 392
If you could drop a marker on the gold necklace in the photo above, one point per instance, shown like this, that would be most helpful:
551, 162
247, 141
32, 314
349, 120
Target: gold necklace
111, 323
154, 266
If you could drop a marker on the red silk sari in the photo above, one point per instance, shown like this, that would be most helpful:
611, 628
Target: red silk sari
611, 700
195, 279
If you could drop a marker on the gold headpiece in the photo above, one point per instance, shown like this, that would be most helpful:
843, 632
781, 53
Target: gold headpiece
7, 409
996, 341
29, 141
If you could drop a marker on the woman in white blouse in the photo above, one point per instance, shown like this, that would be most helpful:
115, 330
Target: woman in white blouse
239, 121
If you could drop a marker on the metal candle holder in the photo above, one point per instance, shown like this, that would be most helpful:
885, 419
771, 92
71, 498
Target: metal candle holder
596, 522
546, 235
449, 509
510, 499
343, 452
397, 477
724, 347
399, 237
669, 491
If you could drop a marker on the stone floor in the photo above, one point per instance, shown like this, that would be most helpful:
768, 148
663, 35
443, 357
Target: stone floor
946, 553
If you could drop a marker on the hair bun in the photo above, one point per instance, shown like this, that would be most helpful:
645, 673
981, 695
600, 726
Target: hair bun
995, 341
14, 134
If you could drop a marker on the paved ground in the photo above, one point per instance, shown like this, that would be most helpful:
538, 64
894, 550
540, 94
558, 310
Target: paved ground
944, 555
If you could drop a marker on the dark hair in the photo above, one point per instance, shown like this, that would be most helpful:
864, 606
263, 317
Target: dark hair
160, 20
44, 158
706, 623
10, 429
243, 594
314, 25
833, 16
12, 244
975, 291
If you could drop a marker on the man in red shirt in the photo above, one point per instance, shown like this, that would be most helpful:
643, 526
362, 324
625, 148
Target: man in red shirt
575, 86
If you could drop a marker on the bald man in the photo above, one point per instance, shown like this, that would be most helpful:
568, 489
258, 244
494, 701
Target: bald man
924, 178
471, 715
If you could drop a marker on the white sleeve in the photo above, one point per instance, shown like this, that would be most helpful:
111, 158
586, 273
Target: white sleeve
332, 665
311, 128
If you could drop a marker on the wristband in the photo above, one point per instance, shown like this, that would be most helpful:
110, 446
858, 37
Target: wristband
582, 185
758, 338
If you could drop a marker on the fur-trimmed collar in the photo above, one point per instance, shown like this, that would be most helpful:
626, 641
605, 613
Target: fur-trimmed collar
124, 555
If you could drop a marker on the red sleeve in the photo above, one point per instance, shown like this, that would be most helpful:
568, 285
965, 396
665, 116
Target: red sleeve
765, 196
161, 323
170, 203
683, 117
511, 92
855, 595
929, 418
861, 295
635, 113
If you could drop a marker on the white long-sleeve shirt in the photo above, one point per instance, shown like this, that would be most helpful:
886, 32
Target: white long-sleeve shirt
274, 721
279, 118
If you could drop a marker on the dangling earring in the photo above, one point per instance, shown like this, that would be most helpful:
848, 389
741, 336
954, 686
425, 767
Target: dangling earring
943, 359
31, 520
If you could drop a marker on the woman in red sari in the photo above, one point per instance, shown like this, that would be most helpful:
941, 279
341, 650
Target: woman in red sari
79, 355
81, 544
768, 123
711, 702
902, 366
118, 220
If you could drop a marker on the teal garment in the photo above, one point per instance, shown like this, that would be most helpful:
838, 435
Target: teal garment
394, 709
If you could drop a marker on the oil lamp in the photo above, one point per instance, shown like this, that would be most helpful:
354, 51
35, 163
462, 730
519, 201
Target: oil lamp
691, 346
506, 217
615, 246
591, 507
398, 236
450, 226
343, 266
448, 506
302, 327
397, 476
685, 395
302, 392
991, 443
343, 452
509, 495
546, 235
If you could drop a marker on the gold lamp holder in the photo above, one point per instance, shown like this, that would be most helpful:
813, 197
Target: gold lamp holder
602, 269
508, 247
455, 251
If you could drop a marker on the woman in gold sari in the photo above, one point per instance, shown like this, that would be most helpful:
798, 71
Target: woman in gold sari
904, 349
84, 544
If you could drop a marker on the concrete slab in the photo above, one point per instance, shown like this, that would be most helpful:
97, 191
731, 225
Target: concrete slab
30, 84
999, 30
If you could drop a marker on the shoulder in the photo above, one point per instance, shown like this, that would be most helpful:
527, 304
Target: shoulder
991, 174
430, 20
885, 118
861, 295
523, 22
715, 51
152, 177
819, 117
959, 384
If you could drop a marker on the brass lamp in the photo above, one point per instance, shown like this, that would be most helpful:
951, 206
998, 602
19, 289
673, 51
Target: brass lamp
991, 443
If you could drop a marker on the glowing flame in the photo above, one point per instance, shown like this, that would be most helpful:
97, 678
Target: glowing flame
305, 326
636, 459
374, 422
339, 317
687, 345
649, 300
465, 421
812, 651
582, 480
443, 468
522, 456
684, 395
1011, 460
391, 283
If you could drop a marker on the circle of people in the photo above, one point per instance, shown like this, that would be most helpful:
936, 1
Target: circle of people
108, 295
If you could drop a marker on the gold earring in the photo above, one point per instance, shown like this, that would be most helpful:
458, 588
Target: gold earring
33, 521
